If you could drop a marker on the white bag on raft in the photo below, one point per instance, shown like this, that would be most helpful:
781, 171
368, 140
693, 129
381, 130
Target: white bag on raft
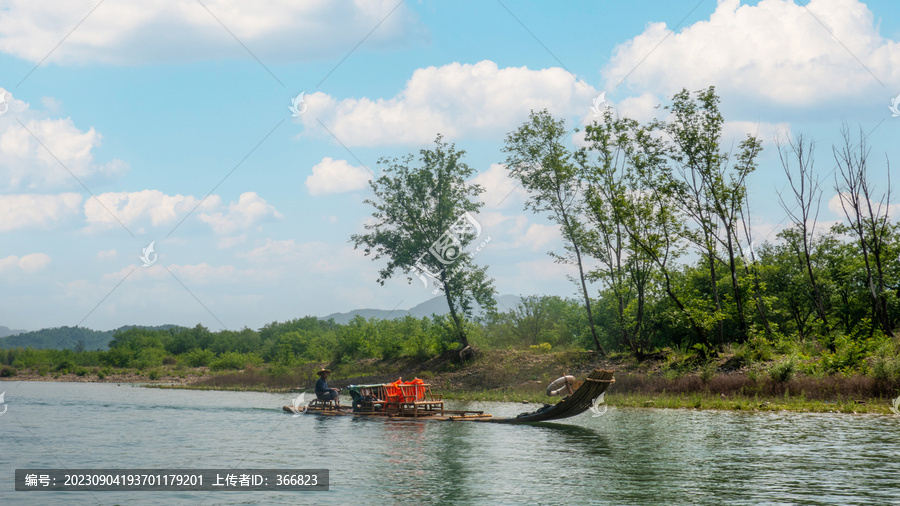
558, 386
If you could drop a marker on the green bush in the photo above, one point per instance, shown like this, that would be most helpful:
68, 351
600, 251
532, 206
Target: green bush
541, 348
7, 372
707, 372
783, 371
147, 358
851, 351
64, 365
235, 360
276, 369
886, 368
198, 357
154, 374
117, 357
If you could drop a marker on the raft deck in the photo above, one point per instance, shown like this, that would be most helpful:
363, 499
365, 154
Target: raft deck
431, 408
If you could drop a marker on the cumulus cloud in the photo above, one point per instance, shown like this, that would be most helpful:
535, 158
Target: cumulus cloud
155, 208
249, 210
500, 190
767, 132
837, 203
28, 263
27, 163
456, 100
643, 108
336, 176
170, 30
776, 51
151, 207
538, 236
20, 211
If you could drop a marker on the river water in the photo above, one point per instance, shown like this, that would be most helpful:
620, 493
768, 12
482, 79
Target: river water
626, 456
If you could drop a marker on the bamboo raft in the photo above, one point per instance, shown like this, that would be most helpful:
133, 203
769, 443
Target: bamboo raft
415, 401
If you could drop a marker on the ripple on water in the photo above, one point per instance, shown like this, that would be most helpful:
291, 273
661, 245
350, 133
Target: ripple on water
627, 456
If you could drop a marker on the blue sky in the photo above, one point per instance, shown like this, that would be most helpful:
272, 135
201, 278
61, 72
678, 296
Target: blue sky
171, 123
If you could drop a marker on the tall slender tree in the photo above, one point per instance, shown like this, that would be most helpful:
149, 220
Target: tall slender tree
869, 220
711, 188
544, 166
423, 223
613, 195
799, 164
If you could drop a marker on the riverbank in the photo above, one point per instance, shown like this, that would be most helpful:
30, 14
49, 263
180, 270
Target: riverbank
521, 376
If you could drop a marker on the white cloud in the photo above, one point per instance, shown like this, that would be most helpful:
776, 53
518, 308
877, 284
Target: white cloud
768, 133
153, 206
28, 263
336, 176
643, 108
456, 100
538, 236
545, 269
108, 255
314, 256
230, 242
167, 30
500, 190
836, 206
191, 274
23, 211
249, 210
776, 51
64, 150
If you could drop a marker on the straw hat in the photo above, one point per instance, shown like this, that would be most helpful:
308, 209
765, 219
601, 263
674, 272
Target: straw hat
323, 371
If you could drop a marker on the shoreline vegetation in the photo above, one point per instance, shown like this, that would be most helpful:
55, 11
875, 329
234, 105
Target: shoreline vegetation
521, 376
677, 290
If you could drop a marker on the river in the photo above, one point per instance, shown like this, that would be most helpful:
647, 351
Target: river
625, 456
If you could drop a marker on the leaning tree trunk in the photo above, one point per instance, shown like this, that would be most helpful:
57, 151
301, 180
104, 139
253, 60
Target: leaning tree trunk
466, 351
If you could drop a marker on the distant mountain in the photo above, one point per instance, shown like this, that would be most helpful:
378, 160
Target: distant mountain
62, 338
6, 331
436, 305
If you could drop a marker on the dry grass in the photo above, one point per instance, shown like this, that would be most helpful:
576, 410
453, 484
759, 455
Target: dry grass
824, 388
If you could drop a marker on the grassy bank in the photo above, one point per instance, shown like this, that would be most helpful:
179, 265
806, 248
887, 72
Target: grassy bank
521, 376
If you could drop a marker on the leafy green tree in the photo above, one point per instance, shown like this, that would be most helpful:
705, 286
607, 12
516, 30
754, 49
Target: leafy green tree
619, 151
537, 157
423, 224
711, 188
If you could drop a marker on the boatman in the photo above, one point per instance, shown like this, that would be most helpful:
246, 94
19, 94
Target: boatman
323, 393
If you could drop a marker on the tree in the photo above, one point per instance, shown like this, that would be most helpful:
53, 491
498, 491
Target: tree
711, 190
613, 196
869, 220
423, 223
808, 195
543, 165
